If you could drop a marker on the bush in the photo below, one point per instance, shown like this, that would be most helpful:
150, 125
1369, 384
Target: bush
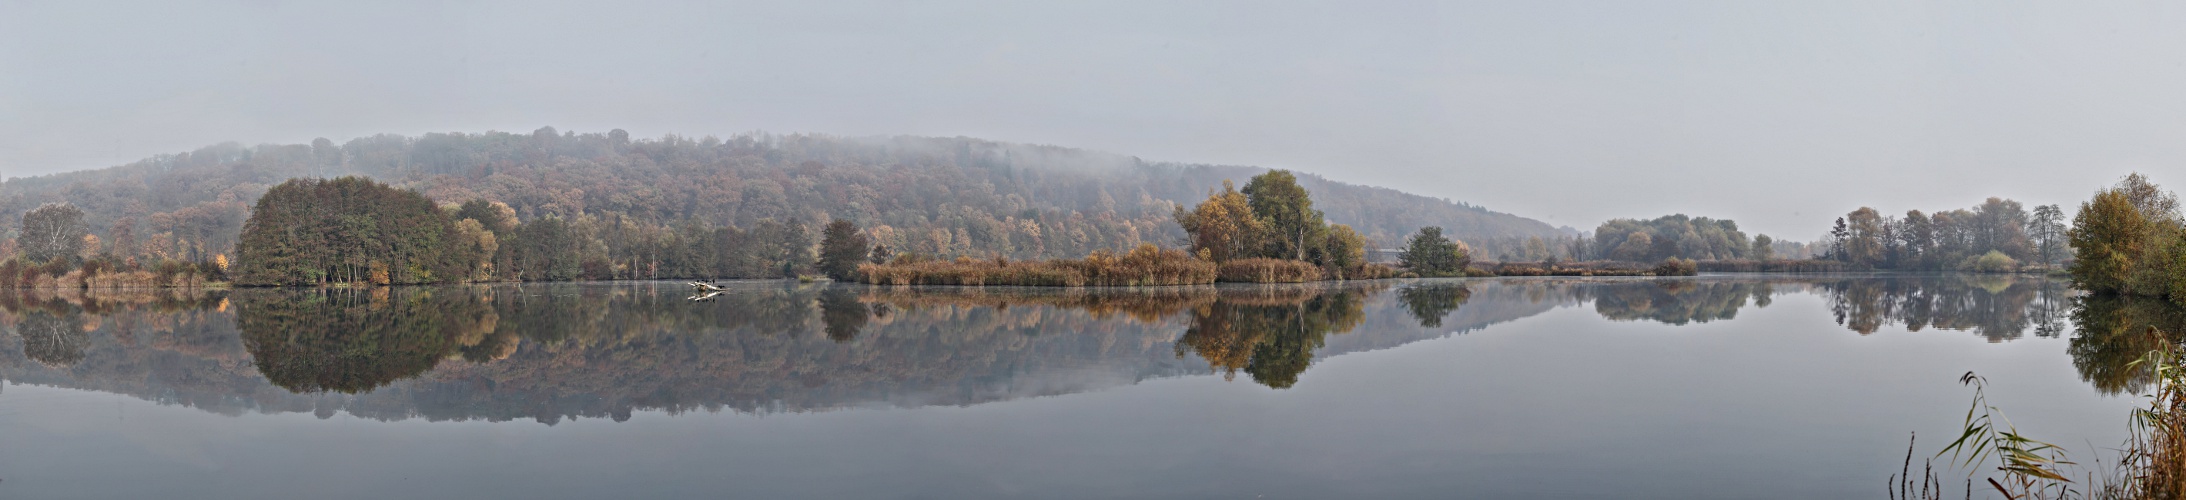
1264, 270
1992, 262
1677, 267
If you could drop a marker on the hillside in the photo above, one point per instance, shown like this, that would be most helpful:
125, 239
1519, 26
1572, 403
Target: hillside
948, 196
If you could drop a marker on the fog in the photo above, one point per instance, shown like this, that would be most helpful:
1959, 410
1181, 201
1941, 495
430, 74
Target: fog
1778, 115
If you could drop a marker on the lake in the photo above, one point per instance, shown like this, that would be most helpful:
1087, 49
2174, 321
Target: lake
1707, 387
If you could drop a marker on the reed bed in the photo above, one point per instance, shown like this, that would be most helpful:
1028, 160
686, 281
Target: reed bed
1262, 270
2151, 465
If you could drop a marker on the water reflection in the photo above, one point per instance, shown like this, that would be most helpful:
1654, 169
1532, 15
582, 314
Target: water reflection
1676, 302
550, 353
1271, 332
1997, 307
2115, 332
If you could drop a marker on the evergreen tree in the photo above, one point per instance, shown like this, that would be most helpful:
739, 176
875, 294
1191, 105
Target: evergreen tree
842, 247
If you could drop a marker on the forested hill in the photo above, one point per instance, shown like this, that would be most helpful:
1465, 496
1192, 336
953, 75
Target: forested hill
947, 196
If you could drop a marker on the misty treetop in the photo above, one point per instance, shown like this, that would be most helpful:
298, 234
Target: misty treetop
933, 196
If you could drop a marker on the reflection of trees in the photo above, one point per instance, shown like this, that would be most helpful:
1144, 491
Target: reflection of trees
843, 314
2116, 331
356, 340
1270, 332
1676, 302
54, 335
1429, 302
1997, 307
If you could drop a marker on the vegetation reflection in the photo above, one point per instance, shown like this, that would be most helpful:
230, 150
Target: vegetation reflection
350, 340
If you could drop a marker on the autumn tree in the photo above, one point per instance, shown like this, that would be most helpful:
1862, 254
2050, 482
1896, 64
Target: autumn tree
842, 248
2046, 229
1223, 227
2106, 236
52, 231
1343, 250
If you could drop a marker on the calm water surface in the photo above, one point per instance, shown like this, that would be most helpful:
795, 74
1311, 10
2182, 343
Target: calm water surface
1712, 387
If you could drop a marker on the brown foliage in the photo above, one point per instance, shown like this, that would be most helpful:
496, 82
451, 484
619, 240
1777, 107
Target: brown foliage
1264, 270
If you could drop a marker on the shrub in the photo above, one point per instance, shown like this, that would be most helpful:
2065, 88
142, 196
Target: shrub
1677, 267
1992, 262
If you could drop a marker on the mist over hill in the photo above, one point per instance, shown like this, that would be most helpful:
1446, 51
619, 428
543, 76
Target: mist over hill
946, 196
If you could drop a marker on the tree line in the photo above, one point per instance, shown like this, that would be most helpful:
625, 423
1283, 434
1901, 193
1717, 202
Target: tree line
934, 196
355, 230
1997, 235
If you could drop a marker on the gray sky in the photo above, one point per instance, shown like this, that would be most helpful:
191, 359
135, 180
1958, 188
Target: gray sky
1780, 115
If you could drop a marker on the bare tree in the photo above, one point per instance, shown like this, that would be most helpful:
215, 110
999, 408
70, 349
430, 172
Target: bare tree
52, 231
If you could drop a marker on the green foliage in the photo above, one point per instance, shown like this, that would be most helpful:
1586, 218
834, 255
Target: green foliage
348, 230
1430, 254
1286, 211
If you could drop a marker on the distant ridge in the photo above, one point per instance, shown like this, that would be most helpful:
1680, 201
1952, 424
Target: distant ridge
950, 196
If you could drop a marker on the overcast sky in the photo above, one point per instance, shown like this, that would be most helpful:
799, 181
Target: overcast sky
1780, 115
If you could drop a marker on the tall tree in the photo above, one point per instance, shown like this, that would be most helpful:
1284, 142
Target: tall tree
1863, 237
2107, 235
842, 248
52, 231
1292, 223
2047, 230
